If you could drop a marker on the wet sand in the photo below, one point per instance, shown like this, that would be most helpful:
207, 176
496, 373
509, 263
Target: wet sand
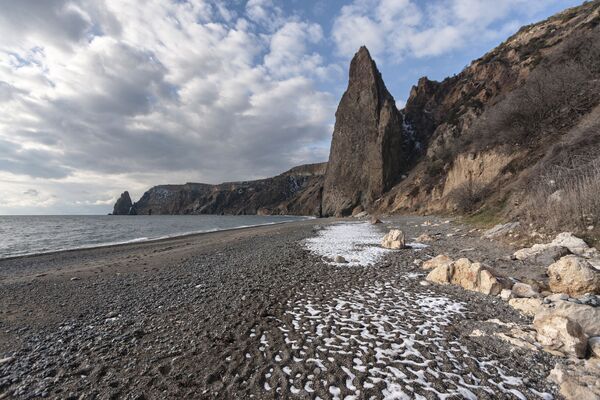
251, 313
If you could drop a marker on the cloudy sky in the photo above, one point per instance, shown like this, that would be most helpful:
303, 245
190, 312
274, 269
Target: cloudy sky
97, 97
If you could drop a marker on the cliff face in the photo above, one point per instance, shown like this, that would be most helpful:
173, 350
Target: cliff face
488, 138
368, 150
288, 193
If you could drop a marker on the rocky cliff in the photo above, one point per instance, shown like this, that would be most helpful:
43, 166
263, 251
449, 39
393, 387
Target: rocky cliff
123, 205
495, 135
369, 149
296, 191
513, 132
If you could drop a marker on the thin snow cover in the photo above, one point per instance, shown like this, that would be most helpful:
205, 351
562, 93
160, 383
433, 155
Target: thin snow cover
389, 343
358, 243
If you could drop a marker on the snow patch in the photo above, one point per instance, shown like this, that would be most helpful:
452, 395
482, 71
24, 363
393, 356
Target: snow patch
358, 243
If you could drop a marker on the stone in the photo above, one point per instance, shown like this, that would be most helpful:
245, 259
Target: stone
500, 230
6, 360
541, 254
123, 205
488, 284
362, 214
506, 294
521, 289
594, 345
375, 220
557, 297
574, 276
437, 261
425, 238
394, 240
561, 334
586, 316
340, 260
466, 274
528, 306
441, 275
578, 380
469, 275
573, 243
368, 151
75, 278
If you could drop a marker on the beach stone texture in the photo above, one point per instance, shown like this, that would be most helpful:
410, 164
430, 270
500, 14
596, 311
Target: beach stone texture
254, 314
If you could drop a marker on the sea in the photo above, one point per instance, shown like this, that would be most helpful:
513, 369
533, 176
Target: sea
29, 234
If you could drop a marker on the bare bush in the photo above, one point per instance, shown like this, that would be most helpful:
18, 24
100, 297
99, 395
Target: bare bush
468, 196
568, 196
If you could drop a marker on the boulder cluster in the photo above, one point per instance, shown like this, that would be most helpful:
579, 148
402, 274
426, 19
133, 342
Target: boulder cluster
565, 309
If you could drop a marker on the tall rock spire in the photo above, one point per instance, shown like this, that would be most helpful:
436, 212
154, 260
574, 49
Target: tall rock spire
367, 152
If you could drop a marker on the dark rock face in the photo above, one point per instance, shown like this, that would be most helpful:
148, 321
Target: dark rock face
368, 151
123, 205
296, 192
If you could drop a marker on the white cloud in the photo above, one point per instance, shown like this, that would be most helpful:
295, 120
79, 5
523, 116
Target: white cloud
399, 29
99, 97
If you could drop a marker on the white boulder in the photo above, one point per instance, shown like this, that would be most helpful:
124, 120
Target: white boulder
560, 334
574, 276
394, 240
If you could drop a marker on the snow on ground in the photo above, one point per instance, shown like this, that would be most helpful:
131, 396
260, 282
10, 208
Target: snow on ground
383, 341
358, 242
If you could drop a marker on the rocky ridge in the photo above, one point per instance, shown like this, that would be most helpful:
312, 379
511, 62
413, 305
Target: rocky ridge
296, 191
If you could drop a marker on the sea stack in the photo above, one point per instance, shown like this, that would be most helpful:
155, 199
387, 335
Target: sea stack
123, 205
367, 152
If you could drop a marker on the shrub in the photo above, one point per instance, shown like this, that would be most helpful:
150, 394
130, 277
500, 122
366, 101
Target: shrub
568, 196
468, 196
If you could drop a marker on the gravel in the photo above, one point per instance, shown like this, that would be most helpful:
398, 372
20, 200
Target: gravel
253, 314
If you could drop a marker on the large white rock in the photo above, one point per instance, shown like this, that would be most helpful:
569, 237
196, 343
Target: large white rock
394, 240
574, 276
437, 261
560, 334
528, 306
573, 243
469, 275
586, 316
542, 254
441, 274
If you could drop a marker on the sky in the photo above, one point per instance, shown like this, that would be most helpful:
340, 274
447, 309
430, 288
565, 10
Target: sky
98, 97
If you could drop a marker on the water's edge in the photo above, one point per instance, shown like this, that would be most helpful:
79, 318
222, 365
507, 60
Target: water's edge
143, 240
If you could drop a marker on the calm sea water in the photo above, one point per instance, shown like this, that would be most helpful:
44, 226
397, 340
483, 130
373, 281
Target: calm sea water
21, 235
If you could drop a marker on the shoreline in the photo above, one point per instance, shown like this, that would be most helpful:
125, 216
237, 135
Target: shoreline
151, 240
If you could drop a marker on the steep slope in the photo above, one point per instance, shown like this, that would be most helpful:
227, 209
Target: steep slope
368, 151
288, 193
513, 132
492, 133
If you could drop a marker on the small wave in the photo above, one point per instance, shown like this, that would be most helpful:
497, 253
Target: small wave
141, 239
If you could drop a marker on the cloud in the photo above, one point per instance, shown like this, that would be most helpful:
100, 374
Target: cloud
399, 29
139, 94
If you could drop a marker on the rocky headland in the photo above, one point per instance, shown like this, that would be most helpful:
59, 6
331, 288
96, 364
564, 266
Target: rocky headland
508, 138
